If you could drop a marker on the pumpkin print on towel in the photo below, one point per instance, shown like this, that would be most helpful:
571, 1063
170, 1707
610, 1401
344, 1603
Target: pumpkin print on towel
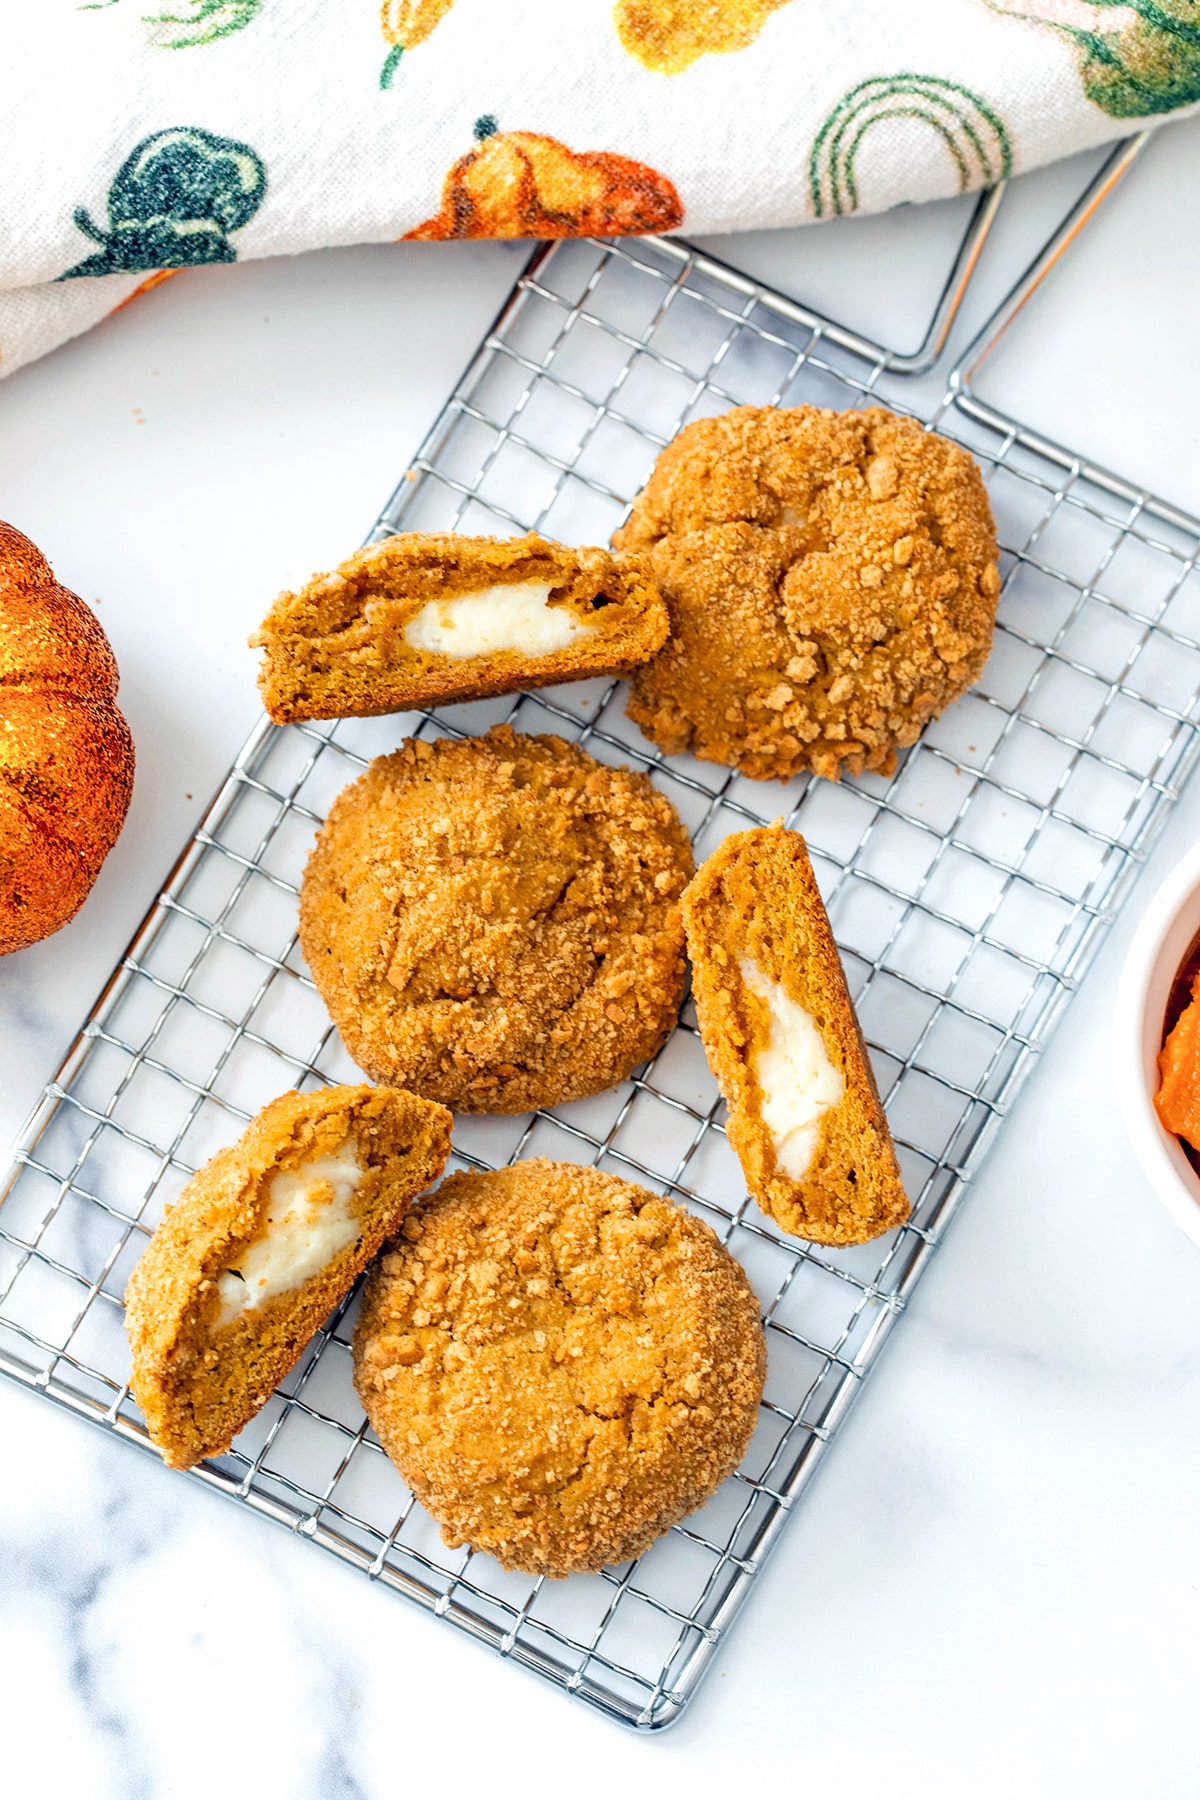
519, 184
668, 36
1145, 60
407, 23
192, 22
972, 131
174, 201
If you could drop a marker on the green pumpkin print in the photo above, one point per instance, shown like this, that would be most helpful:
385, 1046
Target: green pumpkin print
1133, 66
192, 21
173, 203
971, 130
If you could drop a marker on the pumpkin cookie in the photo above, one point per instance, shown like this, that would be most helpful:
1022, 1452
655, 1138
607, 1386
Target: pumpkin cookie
494, 922
425, 619
780, 1032
561, 1365
832, 584
263, 1242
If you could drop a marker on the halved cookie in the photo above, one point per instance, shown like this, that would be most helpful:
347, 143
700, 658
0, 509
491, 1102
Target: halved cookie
263, 1242
426, 619
781, 1035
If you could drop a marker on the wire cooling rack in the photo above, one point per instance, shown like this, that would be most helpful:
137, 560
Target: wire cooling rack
967, 893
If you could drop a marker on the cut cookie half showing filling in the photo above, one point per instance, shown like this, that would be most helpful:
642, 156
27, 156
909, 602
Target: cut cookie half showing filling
308, 1216
781, 1035
422, 620
263, 1242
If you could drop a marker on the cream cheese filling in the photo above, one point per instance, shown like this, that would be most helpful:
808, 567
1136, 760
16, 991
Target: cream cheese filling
307, 1219
511, 616
798, 1081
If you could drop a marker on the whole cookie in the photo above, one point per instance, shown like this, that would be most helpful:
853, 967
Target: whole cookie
560, 1364
832, 585
494, 922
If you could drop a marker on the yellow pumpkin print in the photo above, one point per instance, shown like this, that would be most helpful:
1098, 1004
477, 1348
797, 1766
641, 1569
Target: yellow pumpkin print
668, 36
407, 23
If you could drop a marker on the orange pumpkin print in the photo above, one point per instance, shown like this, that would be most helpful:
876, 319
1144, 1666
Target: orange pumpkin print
519, 184
668, 36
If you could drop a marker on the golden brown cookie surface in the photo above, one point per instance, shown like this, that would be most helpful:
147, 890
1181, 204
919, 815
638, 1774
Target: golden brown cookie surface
561, 1365
832, 584
494, 922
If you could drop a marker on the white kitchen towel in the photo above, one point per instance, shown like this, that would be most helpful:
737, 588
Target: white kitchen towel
141, 137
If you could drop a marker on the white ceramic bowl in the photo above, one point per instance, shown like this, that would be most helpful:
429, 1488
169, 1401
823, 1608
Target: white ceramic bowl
1159, 946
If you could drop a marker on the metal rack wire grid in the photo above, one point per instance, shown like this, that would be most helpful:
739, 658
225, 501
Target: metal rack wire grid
967, 894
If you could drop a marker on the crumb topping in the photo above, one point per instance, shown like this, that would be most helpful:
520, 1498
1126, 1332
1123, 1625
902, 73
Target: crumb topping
832, 584
560, 1364
494, 922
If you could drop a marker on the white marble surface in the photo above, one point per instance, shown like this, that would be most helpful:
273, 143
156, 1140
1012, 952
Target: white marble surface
994, 1586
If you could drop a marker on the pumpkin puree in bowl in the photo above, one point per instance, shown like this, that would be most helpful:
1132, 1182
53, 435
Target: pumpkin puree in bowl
1177, 1101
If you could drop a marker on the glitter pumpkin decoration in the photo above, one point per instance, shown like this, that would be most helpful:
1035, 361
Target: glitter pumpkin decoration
520, 184
66, 754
